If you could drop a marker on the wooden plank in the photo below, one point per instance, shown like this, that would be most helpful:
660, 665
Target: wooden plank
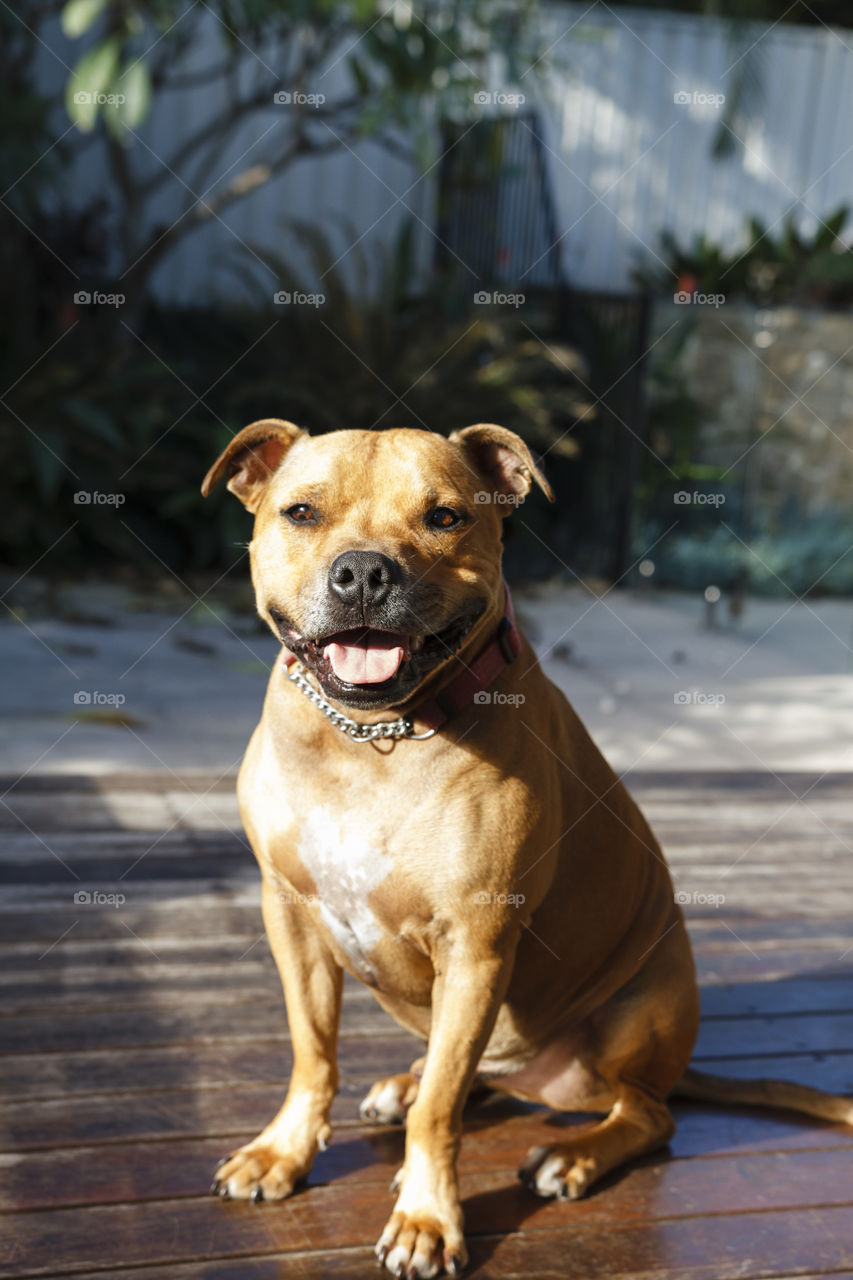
152, 1025
190, 1066
88, 987
323, 1219
790, 996
235, 909
148, 1026
496, 1137
85, 987
189, 1110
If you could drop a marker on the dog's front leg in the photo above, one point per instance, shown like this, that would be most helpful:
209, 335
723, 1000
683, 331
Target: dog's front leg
268, 1167
424, 1232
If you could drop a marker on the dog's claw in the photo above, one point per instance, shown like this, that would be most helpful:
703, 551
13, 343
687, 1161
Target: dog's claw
257, 1196
563, 1193
454, 1266
382, 1254
221, 1162
214, 1186
400, 1271
224, 1193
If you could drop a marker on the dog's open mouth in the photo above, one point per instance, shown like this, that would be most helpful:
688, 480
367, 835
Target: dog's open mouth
369, 664
366, 657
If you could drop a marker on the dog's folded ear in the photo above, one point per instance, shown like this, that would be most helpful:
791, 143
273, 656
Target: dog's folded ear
503, 460
252, 458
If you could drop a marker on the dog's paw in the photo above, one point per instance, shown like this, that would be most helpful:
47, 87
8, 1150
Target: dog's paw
389, 1100
560, 1171
418, 1247
257, 1173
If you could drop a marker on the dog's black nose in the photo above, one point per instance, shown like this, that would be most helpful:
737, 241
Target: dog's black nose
363, 577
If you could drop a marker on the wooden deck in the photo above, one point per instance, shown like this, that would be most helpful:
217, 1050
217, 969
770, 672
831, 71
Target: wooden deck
144, 1040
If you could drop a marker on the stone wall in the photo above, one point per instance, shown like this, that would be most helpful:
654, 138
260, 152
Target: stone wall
776, 393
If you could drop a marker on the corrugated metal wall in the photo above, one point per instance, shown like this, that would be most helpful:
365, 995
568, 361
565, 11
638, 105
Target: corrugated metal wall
625, 159
628, 160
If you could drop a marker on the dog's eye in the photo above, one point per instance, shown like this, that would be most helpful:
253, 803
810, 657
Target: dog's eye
444, 518
300, 513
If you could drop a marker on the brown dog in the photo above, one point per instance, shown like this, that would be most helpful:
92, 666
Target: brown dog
471, 857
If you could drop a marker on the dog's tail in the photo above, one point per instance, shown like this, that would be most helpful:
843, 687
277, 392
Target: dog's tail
779, 1094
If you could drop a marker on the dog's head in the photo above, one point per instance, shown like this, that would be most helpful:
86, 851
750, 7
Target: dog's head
376, 554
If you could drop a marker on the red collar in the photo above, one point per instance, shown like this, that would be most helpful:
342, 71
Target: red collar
476, 676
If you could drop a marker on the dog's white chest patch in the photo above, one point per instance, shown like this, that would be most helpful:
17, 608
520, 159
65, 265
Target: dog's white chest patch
346, 868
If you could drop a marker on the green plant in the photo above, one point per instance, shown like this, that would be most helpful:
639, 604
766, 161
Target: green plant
787, 266
145, 419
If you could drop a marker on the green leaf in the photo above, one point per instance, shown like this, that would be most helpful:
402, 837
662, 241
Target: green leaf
134, 85
90, 81
78, 15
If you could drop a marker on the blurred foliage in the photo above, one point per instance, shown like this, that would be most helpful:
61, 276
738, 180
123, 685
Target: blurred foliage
782, 267
106, 412
811, 557
395, 69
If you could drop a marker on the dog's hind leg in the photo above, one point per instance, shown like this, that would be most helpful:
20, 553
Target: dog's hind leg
636, 1125
625, 1059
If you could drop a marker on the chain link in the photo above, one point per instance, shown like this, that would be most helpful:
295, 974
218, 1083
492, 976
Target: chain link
401, 728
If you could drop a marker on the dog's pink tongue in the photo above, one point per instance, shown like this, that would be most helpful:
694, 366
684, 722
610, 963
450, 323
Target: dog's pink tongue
365, 657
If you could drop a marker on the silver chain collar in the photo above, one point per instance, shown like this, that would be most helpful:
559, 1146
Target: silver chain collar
401, 728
